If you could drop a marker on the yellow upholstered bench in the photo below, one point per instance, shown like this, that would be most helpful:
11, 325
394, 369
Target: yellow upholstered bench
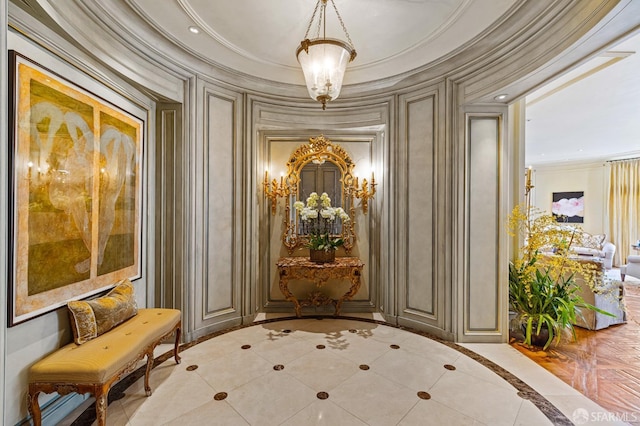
97, 364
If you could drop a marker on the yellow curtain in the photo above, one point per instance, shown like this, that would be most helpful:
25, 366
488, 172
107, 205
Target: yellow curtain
623, 207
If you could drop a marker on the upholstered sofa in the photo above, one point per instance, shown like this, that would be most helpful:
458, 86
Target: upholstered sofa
585, 244
607, 295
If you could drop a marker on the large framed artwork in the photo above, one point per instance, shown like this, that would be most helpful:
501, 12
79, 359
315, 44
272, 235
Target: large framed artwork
568, 206
76, 163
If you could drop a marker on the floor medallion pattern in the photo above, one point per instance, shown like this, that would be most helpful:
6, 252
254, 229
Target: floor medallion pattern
369, 373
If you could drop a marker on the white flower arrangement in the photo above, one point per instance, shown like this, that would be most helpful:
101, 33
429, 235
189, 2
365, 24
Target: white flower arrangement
318, 219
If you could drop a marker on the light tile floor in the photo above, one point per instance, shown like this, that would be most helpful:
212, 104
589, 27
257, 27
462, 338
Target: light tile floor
370, 373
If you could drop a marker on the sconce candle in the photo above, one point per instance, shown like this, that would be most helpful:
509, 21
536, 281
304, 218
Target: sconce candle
272, 190
527, 185
364, 192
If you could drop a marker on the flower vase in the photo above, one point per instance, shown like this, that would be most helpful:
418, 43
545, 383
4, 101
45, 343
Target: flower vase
322, 256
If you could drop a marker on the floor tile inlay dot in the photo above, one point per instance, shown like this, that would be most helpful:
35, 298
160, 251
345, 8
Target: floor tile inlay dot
278, 367
364, 367
220, 396
394, 347
245, 346
449, 367
320, 346
424, 395
192, 367
322, 395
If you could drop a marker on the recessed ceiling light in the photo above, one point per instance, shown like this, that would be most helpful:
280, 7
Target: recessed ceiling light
501, 97
194, 30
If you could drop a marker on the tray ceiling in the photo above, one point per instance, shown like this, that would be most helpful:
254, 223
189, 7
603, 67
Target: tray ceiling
260, 37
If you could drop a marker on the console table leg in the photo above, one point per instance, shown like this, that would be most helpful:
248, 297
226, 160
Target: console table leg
284, 288
338, 304
355, 286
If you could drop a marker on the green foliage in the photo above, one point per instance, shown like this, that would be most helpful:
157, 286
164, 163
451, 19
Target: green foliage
324, 242
542, 287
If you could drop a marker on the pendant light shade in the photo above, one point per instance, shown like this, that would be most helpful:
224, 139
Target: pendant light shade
324, 60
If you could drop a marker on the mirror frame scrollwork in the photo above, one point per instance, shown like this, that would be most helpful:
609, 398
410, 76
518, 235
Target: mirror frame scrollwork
319, 149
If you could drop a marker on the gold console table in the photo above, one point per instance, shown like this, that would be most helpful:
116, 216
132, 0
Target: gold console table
290, 268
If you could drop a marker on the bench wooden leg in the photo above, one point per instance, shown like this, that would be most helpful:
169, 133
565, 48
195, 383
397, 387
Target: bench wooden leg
176, 347
147, 387
101, 406
34, 407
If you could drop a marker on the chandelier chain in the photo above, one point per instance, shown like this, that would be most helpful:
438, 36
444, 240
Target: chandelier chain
344, 28
306, 35
321, 19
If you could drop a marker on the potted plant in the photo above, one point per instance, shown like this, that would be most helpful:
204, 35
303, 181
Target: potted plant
319, 221
542, 288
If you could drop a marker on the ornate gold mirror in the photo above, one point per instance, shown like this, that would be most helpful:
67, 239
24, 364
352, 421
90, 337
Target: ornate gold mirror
321, 167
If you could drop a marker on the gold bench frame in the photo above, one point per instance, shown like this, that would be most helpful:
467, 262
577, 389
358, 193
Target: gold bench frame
100, 390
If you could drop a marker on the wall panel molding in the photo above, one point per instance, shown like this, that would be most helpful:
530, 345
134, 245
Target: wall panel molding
169, 232
218, 219
420, 234
483, 263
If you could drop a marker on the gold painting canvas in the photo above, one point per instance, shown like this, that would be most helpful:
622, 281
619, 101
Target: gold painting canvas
76, 192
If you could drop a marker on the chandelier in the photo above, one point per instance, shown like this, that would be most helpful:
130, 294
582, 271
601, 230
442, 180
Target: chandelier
324, 60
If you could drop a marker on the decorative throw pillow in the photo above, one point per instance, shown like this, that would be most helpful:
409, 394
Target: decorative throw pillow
593, 241
83, 322
94, 317
116, 307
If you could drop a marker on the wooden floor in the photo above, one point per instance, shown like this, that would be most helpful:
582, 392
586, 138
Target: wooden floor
604, 365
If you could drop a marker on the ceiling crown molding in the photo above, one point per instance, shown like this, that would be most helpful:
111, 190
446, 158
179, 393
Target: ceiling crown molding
532, 33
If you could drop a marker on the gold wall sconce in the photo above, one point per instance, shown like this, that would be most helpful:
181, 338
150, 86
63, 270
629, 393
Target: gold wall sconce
273, 190
364, 192
528, 186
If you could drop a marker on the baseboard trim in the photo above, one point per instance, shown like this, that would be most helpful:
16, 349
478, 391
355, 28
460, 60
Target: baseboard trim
56, 410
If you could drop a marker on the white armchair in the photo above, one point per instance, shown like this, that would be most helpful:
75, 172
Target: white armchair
631, 268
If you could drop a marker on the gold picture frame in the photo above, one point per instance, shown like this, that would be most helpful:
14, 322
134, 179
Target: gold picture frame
76, 163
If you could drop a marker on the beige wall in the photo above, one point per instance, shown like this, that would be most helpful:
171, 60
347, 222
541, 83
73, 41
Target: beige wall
443, 180
588, 177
